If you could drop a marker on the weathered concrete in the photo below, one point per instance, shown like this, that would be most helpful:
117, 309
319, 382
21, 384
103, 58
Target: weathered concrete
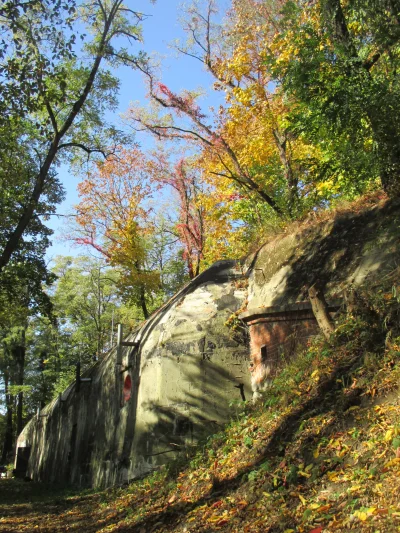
189, 365
186, 370
345, 252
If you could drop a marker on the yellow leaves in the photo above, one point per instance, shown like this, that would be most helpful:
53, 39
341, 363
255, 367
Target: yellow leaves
111, 210
335, 443
243, 96
364, 514
332, 476
393, 462
353, 408
239, 66
388, 435
304, 474
314, 506
303, 500
355, 27
331, 186
361, 515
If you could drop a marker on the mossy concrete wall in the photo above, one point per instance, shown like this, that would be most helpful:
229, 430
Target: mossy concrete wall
347, 250
342, 253
185, 372
188, 365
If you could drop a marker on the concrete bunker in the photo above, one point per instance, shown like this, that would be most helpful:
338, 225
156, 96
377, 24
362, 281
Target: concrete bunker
186, 366
164, 387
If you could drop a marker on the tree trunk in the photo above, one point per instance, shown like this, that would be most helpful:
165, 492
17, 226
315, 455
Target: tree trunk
18, 354
40, 180
143, 304
290, 177
9, 433
198, 259
43, 388
320, 310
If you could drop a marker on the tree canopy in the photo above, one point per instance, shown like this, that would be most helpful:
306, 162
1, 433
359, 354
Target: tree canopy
55, 90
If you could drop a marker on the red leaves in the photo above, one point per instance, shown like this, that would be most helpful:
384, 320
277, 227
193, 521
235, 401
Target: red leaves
317, 529
217, 504
89, 241
222, 522
185, 181
182, 104
164, 89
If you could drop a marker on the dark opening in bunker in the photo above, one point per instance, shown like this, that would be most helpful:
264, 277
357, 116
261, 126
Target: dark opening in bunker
182, 426
21, 466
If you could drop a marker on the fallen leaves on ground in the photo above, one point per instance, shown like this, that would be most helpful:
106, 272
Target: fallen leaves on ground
326, 461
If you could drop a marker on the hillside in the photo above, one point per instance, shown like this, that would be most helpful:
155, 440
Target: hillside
321, 452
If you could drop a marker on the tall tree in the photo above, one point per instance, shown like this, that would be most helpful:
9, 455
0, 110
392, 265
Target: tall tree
57, 88
254, 121
84, 300
340, 61
21, 297
184, 177
249, 142
178, 117
114, 218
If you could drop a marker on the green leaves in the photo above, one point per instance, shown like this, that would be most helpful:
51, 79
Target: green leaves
57, 91
248, 442
396, 443
335, 62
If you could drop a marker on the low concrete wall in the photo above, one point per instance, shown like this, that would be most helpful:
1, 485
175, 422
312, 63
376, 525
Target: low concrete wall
184, 373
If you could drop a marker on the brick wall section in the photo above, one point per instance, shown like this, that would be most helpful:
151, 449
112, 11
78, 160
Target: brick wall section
282, 335
282, 330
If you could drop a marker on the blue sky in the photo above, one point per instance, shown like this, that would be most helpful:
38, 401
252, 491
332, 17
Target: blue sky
160, 28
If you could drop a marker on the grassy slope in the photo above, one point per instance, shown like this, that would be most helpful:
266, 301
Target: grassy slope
321, 454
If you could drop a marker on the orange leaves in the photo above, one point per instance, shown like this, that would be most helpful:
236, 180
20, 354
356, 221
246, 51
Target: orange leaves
113, 197
113, 217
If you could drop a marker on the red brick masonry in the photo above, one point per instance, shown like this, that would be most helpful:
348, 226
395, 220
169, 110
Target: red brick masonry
276, 333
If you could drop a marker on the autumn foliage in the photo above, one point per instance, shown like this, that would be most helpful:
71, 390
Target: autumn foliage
113, 218
306, 119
